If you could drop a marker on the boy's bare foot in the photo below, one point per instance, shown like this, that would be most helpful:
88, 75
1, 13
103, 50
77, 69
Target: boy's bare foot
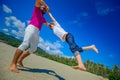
95, 49
79, 68
20, 64
13, 68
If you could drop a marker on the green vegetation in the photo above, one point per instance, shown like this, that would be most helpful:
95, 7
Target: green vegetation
67, 61
99, 69
95, 68
9, 40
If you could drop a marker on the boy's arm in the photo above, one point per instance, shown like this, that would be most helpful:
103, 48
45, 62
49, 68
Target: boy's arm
52, 18
47, 24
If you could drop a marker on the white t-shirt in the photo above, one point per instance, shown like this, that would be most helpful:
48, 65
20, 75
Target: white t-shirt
59, 31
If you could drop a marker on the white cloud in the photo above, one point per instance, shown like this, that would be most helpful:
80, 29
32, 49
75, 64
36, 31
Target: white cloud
14, 31
75, 23
6, 30
80, 19
15, 23
104, 11
55, 45
7, 21
6, 9
51, 48
104, 8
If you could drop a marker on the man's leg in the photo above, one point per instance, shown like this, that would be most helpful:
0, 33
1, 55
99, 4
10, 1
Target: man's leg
92, 47
23, 56
80, 63
13, 66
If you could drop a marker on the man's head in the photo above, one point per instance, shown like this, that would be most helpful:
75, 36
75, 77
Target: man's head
43, 9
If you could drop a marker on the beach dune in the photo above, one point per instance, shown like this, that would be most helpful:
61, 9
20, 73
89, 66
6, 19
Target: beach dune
39, 68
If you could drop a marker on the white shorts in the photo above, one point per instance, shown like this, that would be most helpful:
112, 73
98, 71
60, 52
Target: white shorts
31, 39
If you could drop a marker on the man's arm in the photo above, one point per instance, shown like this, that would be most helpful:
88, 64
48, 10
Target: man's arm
38, 2
52, 18
41, 2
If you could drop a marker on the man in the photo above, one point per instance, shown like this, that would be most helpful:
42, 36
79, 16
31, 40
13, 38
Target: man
31, 37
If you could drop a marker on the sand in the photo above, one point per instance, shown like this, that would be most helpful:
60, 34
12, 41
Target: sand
39, 68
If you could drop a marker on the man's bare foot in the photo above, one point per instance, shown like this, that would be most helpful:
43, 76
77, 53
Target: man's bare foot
20, 64
79, 68
13, 68
95, 49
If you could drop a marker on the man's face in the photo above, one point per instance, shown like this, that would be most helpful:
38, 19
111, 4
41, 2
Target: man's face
43, 9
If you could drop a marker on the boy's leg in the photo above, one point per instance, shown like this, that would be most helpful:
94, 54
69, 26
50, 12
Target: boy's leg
80, 63
74, 48
92, 47
78, 57
13, 66
23, 56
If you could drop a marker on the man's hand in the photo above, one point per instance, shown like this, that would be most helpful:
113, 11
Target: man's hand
41, 2
47, 9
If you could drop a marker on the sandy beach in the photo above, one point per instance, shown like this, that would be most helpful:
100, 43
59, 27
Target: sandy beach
39, 68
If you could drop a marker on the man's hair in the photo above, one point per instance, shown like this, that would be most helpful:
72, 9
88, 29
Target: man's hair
43, 9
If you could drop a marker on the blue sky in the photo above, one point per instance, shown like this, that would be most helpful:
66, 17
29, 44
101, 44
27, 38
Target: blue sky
90, 21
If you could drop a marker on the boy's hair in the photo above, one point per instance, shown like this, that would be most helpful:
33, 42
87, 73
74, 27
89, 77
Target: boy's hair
51, 24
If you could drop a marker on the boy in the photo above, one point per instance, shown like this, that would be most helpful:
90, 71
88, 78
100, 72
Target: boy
66, 36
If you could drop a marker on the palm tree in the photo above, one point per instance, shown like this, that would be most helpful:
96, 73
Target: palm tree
116, 70
107, 71
87, 64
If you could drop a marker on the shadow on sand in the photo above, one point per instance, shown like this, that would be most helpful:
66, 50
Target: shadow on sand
36, 70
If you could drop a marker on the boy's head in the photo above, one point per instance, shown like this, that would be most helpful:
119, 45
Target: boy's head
52, 25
